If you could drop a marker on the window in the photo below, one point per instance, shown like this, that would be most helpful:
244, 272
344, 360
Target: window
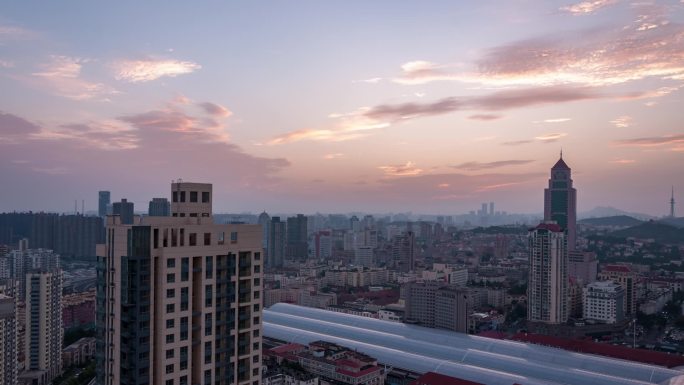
255, 346
193, 239
221, 238
182, 237
256, 320
205, 196
257, 269
174, 237
257, 256
255, 333
182, 196
255, 359
166, 238
207, 352
207, 377
208, 296
256, 295
256, 307
184, 379
207, 239
170, 353
233, 236
156, 238
257, 282
170, 338
169, 368
171, 263
170, 323
174, 196
184, 298
209, 266
193, 196
170, 293
170, 278
169, 382
185, 269
170, 308
208, 320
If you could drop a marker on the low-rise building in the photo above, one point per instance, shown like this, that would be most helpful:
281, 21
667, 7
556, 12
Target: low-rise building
603, 301
79, 352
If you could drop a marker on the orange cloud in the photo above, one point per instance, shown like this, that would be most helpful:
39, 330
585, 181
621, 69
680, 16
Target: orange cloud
408, 169
587, 7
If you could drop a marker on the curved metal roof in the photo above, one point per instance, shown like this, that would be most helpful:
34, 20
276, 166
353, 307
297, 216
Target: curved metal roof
483, 356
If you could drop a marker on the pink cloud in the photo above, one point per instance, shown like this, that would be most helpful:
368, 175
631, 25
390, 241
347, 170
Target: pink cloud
139, 71
587, 7
63, 76
408, 169
215, 109
478, 166
485, 117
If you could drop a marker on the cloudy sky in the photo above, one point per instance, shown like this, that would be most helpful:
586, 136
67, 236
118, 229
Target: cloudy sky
305, 106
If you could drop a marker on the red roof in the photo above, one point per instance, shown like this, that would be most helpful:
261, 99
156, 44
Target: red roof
359, 373
432, 378
621, 352
549, 226
620, 268
349, 363
288, 348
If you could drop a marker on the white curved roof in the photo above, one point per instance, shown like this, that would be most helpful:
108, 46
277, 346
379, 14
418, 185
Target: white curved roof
472, 358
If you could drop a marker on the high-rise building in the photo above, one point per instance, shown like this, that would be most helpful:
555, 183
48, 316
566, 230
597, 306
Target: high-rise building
403, 251
363, 256
22, 262
297, 245
672, 204
8, 340
43, 331
276, 243
103, 200
263, 221
438, 305
159, 207
560, 201
604, 301
547, 292
179, 298
125, 210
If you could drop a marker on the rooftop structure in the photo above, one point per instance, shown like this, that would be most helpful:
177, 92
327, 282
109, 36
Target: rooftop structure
472, 358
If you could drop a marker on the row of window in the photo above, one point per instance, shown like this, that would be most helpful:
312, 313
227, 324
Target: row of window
179, 196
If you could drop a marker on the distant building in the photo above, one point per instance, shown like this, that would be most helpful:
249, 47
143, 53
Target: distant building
297, 247
438, 305
8, 340
625, 277
604, 301
582, 266
403, 251
323, 242
363, 256
547, 292
79, 352
276, 243
560, 201
341, 365
264, 221
159, 207
103, 200
125, 210
21, 262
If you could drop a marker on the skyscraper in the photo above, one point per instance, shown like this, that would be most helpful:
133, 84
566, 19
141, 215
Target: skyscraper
159, 207
560, 201
8, 339
547, 291
276, 243
297, 245
179, 298
125, 210
402, 251
263, 221
672, 204
43, 331
104, 198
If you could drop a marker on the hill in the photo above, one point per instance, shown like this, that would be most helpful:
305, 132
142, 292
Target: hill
614, 221
660, 232
677, 222
607, 211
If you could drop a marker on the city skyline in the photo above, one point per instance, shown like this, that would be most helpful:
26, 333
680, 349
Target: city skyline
382, 107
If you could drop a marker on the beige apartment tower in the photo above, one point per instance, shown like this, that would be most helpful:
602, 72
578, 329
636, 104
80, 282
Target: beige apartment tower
179, 297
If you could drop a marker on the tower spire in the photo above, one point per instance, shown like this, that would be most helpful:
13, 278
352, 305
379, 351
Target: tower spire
672, 204
561, 153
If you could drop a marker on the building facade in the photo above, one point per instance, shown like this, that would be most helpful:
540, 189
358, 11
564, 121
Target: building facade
179, 298
103, 201
604, 302
438, 305
125, 210
159, 207
560, 201
625, 277
44, 333
276, 243
8, 340
547, 292
297, 246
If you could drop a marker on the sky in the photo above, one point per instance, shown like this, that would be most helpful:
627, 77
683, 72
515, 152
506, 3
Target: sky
335, 106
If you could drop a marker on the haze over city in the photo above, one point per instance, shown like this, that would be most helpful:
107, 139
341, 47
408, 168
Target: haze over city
378, 106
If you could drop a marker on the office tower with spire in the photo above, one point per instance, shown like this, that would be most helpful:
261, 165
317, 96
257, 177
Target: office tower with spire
672, 204
560, 201
179, 297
